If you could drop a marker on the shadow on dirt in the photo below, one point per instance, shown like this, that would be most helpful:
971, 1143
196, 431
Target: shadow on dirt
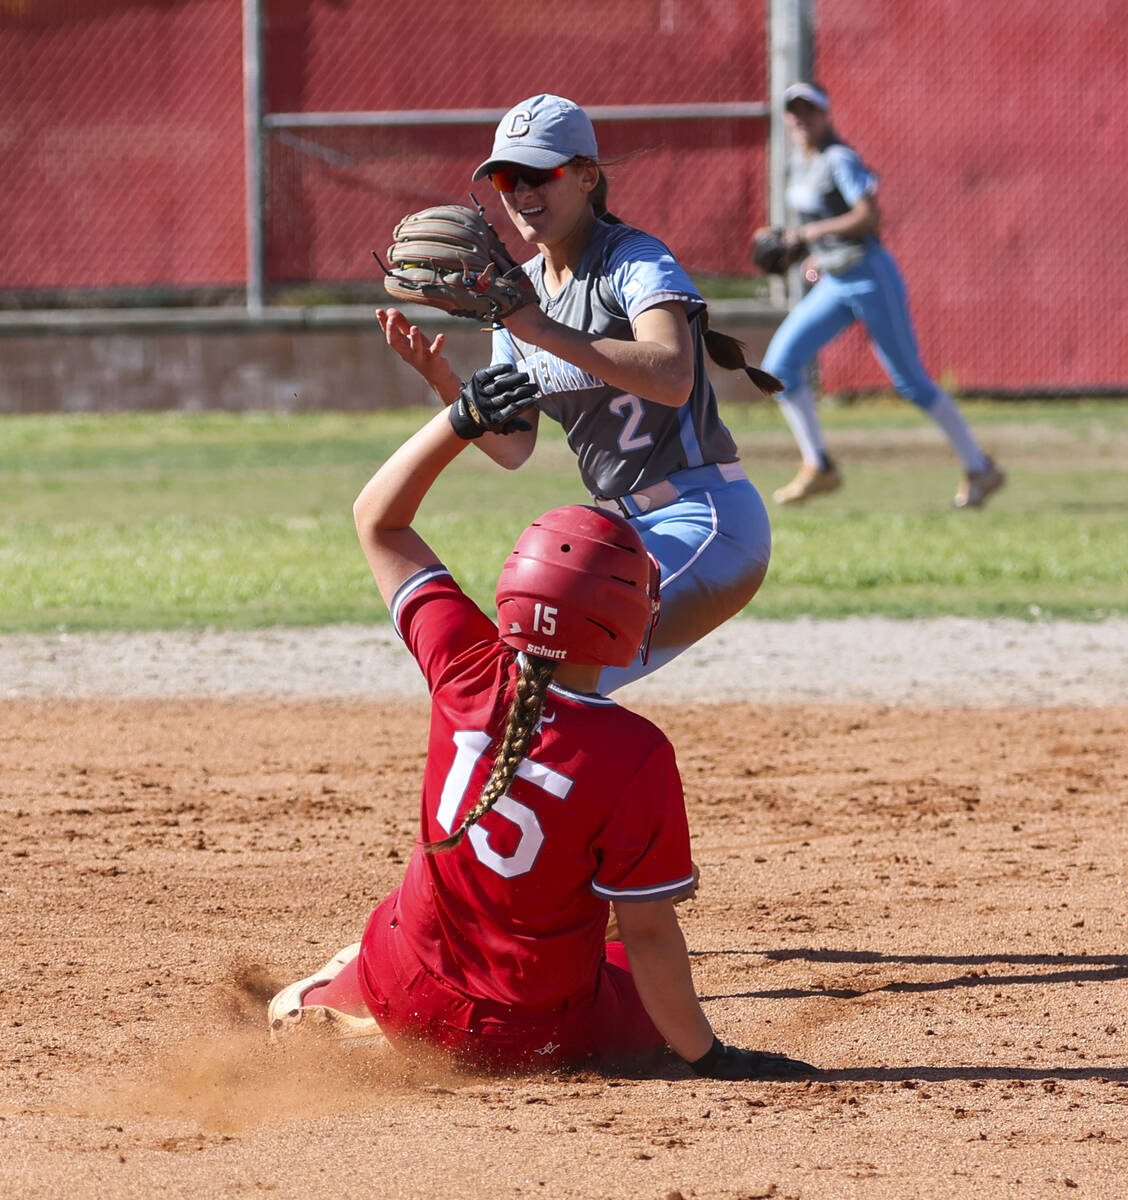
1079, 968
1117, 1075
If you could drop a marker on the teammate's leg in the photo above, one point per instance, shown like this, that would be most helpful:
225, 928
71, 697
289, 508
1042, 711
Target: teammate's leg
884, 309
713, 547
798, 408
817, 319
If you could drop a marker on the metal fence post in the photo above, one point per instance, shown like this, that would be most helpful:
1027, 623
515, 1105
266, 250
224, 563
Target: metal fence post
791, 57
253, 152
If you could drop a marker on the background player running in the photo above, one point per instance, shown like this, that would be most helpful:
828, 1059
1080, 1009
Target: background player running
542, 802
832, 194
617, 348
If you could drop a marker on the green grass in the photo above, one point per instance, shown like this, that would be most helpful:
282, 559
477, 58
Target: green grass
169, 521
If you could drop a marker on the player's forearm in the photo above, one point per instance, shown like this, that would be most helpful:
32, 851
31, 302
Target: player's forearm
653, 370
863, 218
660, 967
446, 385
390, 500
509, 451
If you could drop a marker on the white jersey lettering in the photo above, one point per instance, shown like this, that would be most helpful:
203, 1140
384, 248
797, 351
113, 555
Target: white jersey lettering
470, 745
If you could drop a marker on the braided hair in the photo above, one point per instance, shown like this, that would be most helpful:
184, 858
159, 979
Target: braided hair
521, 723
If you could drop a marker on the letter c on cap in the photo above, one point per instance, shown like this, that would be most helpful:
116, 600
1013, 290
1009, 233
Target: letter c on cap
519, 124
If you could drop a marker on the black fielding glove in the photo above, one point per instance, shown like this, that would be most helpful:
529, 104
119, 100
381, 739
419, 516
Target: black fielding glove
490, 401
727, 1062
774, 254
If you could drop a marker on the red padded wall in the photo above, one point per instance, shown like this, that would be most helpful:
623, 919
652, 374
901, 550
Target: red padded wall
127, 165
999, 134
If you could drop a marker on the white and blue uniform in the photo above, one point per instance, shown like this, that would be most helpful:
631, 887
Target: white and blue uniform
858, 281
707, 527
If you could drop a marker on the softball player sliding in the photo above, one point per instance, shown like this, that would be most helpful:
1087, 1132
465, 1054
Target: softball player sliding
617, 348
833, 196
542, 802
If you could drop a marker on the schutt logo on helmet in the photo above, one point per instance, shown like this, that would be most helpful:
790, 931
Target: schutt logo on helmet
546, 651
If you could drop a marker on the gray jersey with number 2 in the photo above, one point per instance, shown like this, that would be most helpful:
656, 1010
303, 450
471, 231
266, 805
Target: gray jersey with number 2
623, 442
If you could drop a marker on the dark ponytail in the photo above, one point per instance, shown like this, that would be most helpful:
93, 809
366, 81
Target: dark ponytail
729, 353
723, 349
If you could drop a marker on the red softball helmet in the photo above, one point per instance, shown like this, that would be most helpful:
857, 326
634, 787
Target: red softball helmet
579, 586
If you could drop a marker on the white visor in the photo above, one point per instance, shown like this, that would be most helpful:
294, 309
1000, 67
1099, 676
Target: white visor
808, 92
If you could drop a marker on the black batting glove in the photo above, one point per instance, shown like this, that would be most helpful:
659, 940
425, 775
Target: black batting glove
728, 1062
490, 401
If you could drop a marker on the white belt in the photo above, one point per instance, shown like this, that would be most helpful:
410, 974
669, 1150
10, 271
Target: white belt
657, 495
665, 491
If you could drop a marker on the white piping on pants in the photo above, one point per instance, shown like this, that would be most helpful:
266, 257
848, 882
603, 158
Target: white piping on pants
700, 549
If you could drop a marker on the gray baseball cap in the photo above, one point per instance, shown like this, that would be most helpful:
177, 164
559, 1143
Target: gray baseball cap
543, 131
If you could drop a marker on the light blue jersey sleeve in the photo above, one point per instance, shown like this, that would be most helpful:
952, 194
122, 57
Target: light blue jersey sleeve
503, 350
643, 273
851, 176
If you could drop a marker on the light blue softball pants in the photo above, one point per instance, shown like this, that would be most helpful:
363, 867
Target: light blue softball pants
872, 292
712, 544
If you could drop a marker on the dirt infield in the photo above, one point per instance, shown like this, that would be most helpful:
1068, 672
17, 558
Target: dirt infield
927, 902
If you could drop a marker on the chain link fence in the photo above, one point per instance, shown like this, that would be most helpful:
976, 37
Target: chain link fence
121, 148
125, 170
335, 191
998, 135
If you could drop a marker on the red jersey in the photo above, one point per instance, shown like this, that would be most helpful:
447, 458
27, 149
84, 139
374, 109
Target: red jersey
517, 911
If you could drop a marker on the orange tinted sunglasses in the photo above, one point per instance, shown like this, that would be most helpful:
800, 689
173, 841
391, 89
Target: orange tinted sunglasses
507, 178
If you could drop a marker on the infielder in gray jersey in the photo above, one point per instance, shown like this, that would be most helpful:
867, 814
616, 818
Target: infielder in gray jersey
833, 195
617, 347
